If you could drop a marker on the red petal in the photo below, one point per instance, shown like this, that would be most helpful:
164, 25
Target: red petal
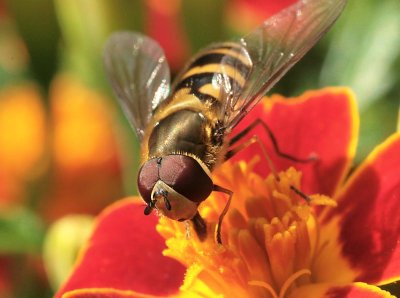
324, 122
356, 290
125, 253
368, 214
104, 293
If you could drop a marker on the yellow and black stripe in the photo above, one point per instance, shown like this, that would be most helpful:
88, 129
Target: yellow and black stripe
201, 77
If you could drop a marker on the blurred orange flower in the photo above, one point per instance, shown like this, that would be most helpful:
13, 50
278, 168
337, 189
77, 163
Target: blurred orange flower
86, 173
22, 138
79, 139
69, 153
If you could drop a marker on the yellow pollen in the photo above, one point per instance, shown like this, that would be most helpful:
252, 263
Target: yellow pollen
269, 237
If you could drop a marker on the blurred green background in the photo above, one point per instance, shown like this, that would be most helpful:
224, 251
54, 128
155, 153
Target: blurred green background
66, 149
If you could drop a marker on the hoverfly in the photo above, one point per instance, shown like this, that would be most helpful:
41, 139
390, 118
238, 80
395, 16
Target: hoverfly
184, 128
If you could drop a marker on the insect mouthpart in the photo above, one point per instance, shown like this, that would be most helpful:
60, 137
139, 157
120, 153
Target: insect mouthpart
161, 194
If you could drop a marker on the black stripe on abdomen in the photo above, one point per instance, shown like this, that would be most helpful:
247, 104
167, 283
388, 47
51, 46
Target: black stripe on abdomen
196, 81
223, 59
223, 68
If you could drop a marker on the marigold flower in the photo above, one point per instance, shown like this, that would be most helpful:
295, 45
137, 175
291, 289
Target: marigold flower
343, 243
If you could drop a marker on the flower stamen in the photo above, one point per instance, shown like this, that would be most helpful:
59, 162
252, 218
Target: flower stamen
291, 280
264, 285
270, 236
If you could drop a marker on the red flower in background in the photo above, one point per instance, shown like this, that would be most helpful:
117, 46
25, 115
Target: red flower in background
275, 244
164, 25
244, 15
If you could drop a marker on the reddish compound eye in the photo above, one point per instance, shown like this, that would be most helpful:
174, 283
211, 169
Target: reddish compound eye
182, 173
147, 178
186, 176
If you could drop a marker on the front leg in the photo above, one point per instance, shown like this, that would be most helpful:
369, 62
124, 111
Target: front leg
200, 225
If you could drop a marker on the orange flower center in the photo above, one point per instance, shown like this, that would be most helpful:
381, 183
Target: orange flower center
269, 237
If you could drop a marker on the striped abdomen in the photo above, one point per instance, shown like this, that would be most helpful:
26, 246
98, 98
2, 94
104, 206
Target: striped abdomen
189, 122
224, 64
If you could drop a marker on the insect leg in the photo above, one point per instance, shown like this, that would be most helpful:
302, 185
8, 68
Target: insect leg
223, 213
200, 226
274, 141
255, 139
249, 142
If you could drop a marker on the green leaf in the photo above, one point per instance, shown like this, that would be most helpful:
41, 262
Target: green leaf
398, 121
38, 27
13, 56
363, 52
21, 231
378, 121
85, 26
203, 21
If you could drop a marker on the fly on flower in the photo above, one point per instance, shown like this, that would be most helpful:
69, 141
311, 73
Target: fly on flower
184, 127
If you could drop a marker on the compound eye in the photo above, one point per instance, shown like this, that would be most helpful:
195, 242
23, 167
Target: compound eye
186, 176
147, 178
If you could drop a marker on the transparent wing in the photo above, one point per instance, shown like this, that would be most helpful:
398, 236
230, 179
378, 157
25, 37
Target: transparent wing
274, 48
139, 75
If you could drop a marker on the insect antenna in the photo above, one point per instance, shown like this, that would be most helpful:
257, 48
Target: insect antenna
147, 209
